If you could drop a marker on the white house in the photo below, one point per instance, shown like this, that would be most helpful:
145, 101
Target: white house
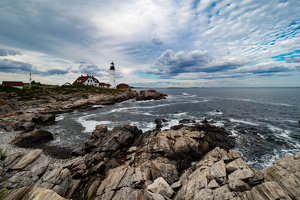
86, 80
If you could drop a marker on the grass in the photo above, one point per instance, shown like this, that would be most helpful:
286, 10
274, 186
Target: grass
3, 192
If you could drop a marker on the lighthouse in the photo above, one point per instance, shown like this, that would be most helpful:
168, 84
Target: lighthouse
112, 79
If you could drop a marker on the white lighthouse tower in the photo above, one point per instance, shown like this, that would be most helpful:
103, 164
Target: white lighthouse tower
112, 78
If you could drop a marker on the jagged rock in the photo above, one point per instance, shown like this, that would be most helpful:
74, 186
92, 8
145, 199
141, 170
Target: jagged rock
27, 126
165, 170
2, 102
153, 196
44, 119
239, 186
160, 186
24, 169
270, 190
109, 141
187, 121
122, 177
150, 94
176, 185
26, 193
241, 174
36, 136
33, 169
213, 184
5, 109
159, 123
286, 173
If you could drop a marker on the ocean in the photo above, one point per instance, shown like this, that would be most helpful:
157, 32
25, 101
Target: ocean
264, 121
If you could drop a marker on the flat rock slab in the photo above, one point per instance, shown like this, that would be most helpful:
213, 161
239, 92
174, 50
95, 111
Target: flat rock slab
26, 193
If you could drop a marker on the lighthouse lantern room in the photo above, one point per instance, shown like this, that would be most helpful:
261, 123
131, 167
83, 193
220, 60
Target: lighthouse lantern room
112, 79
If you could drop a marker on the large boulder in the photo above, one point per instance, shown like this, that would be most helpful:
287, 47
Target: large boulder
150, 94
33, 137
103, 140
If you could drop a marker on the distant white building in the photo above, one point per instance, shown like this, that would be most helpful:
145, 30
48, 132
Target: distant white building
112, 78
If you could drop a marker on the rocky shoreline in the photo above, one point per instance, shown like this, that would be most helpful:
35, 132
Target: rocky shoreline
184, 162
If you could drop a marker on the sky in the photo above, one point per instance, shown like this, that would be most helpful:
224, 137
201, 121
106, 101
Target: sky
153, 43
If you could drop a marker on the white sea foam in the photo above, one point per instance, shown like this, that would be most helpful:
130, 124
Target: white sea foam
193, 163
179, 114
97, 106
234, 133
60, 117
214, 113
185, 94
171, 123
90, 125
262, 136
281, 132
243, 122
219, 124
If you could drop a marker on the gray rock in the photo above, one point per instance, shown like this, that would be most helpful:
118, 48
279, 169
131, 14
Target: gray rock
160, 186
37, 136
150, 94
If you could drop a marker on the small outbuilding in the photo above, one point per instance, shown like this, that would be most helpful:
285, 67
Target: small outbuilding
67, 84
15, 84
122, 86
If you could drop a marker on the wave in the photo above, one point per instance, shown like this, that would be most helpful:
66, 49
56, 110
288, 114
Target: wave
254, 101
90, 125
243, 122
279, 131
213, 113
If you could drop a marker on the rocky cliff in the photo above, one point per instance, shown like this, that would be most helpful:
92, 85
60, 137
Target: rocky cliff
125, 163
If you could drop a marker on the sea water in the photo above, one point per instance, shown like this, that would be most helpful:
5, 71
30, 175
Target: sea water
264, 121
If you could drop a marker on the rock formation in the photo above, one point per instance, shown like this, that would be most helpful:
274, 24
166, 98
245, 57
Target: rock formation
217, 175
150, 94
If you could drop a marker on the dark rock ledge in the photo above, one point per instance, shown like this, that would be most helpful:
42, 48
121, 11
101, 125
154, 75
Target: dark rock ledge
125, 163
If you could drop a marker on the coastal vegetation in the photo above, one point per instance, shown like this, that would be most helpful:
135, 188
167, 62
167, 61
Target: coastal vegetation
38, 90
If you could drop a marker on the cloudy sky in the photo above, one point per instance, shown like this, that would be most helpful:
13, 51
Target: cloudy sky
153, 43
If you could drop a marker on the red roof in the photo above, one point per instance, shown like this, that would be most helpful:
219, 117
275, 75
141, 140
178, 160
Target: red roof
123, 84
81, 79
12, 83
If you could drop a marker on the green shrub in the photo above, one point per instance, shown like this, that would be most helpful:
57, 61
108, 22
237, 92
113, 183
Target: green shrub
2, 154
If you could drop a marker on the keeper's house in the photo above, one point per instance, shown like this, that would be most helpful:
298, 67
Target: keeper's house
122, 86
15, 84
90, 80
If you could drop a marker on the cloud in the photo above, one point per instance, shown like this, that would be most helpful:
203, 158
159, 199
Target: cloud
17, 67
157, 41
57, 72
4, 52
293, 60
170, 64
91, 69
